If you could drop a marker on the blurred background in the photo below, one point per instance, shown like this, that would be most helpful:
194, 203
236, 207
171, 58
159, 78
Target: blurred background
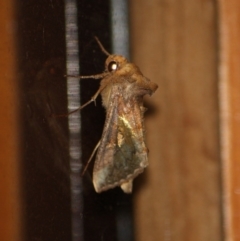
190, 191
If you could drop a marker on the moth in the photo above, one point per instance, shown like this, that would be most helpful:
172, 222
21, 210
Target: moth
121, 152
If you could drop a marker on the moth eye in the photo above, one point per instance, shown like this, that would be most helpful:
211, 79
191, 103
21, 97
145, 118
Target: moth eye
112, 66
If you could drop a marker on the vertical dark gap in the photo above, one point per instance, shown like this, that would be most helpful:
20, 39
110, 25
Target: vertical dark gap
46, 172
41, 39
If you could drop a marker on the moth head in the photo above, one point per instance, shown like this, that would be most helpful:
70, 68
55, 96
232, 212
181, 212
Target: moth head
115, 62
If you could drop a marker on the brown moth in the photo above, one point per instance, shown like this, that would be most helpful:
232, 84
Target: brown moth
122, 151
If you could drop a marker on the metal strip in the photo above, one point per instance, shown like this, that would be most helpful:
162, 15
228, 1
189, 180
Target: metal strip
119, 27
120, 45
73, 92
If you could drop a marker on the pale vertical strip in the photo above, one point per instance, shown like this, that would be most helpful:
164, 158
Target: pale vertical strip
73, 92
225, 113
119, 27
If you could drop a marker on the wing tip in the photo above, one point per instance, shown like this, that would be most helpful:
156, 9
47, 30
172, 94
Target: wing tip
100, 185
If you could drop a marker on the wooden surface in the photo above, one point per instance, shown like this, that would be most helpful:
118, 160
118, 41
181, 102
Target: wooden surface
9, 157
175, 44
229, 73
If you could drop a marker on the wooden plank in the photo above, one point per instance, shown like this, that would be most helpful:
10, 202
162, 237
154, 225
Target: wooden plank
10, 227
175, 44
229, 15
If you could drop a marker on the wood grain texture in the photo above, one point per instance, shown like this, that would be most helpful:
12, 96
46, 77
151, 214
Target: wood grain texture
229, 72
9, 158
175, 45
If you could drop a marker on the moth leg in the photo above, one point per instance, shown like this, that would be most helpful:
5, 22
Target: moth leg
95, 76
89, 160
84, 105
71, 112
93, 99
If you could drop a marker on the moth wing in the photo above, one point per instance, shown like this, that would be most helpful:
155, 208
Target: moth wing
122, 153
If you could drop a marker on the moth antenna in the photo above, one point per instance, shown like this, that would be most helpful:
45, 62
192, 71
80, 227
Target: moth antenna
89, 160
101, 46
